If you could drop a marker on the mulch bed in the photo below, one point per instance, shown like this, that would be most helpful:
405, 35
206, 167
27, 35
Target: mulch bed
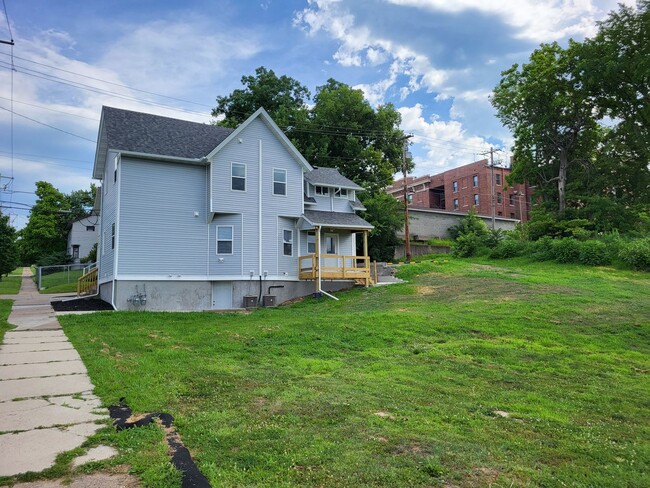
81, 305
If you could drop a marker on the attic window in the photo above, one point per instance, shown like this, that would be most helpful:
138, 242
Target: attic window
341, 192
322, 191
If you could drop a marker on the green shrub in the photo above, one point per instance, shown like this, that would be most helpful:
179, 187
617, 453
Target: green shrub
636, 254
566, 250
508, 248
471, 236
594, 253
467, 245
541, 250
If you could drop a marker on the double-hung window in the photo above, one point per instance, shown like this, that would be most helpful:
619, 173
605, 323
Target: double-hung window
287, 242
454, 186
499, 197
224, 239
113, 236
280, 182
475, 199
475, 180
498, 178
238, 176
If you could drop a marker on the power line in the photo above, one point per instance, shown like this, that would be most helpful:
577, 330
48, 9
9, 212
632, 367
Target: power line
51, 109
47, 125
113, 83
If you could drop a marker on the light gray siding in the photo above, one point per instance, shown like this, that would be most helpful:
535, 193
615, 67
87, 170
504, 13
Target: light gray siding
259, 214
287, 265
224, 264
163, 228
341, 205
106, 252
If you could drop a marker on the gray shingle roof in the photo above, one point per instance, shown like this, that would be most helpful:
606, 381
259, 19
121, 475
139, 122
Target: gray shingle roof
330, 177
139, 132
154, 134
336, 219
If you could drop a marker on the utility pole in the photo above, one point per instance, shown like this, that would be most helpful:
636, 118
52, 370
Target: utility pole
406, 202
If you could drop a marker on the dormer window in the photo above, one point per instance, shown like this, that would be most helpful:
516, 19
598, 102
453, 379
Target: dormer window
322, 191
341, 192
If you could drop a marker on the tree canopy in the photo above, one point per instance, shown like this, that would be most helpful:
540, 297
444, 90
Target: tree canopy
8, 246
581, 121
46, 231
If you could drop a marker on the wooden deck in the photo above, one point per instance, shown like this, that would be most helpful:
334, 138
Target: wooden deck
335, 267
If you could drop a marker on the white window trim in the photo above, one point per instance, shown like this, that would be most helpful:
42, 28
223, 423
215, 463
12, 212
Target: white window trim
231, 240
286, 182
284, 241
322, 188
338, 191
245, 190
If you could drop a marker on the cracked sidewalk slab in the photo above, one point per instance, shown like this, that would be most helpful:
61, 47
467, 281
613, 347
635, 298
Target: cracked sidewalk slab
41, 370
36, 450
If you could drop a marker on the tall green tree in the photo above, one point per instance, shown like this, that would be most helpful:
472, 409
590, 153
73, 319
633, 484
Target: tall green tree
8, 246
347, 133
45, 232
545, 105
284, 98
386, 214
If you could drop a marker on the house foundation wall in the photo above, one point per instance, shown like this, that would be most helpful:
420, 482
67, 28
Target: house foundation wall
171, 296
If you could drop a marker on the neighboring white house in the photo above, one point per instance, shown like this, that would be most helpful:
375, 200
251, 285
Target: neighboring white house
82, 236
198, 217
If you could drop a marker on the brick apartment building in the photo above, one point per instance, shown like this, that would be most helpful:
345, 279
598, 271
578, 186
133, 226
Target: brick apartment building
466, 187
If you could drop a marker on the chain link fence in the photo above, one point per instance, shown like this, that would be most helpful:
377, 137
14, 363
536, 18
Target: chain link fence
61, 278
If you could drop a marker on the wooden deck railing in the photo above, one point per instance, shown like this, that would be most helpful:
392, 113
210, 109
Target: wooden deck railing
334, 267
87, 284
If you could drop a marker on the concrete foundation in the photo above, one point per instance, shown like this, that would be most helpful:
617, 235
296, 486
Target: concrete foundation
173, 296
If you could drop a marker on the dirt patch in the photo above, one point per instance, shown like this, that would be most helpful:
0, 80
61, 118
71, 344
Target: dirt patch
385, 415
81, 305
413, 449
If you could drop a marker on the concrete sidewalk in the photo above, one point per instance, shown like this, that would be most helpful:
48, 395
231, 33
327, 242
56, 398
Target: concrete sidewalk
46, 402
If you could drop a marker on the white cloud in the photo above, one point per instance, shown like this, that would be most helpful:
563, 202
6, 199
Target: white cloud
447, 144
535, 20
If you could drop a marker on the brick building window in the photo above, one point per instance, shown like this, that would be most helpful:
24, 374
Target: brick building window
454, 187
475, 180
498, 178
499, 197
512, 215
511, 200
476, 199
455, 203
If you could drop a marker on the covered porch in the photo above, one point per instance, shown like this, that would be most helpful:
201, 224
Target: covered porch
323, 262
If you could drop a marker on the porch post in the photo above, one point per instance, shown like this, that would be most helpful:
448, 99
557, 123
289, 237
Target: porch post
316, 259
366, 261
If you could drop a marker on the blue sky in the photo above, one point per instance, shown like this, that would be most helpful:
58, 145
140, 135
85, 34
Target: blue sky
435, 60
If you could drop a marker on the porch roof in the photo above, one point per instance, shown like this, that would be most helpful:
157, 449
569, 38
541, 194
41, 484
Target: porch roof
334, 220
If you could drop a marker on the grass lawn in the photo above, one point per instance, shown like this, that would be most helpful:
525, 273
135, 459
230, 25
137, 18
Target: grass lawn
475, 373
10, 285
61, 282
5, 310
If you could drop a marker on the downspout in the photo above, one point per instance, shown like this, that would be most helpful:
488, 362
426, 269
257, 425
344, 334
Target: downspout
320, 290
118, 169
259, 210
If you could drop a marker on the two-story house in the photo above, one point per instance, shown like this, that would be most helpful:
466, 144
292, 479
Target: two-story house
82, 236
197, 217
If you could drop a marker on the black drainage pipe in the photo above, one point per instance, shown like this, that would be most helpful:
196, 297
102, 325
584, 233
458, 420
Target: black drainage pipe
181, 458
